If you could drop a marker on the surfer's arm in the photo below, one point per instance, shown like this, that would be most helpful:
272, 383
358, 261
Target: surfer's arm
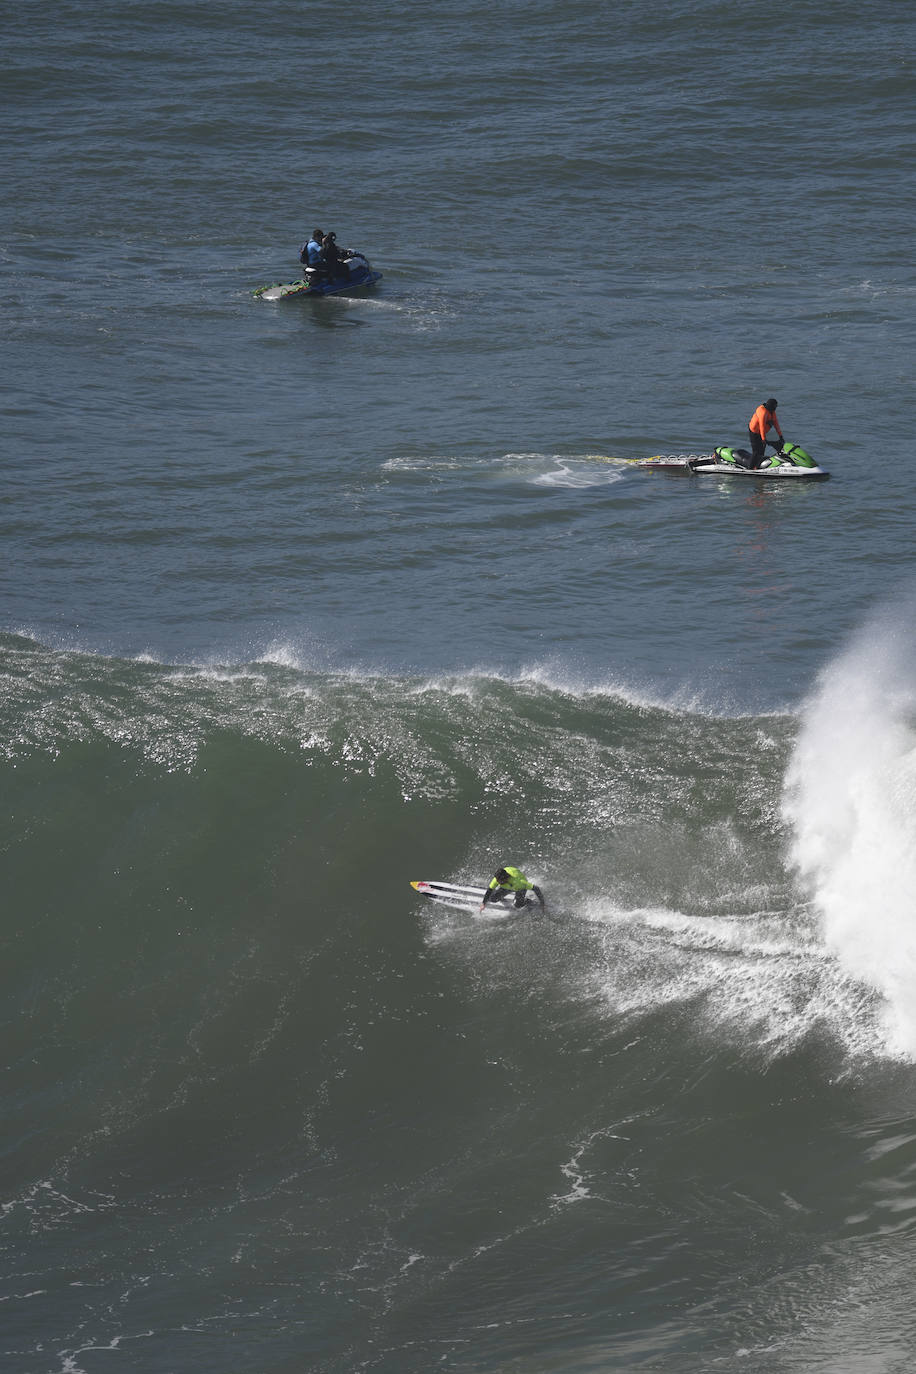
539, 894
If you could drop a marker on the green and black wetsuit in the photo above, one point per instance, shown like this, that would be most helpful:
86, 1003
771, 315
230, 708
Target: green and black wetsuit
514, 881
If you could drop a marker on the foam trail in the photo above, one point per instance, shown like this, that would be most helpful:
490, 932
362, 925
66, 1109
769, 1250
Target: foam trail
851, 800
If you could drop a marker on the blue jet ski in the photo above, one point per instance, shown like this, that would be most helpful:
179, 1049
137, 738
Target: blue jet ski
317, 282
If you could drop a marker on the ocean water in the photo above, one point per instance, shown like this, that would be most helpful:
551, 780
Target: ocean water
304, 600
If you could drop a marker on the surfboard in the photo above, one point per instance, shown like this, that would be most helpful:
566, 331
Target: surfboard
671, 462
611, 458
465, 898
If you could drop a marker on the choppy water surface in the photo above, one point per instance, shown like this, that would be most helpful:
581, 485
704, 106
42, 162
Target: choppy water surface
304, 600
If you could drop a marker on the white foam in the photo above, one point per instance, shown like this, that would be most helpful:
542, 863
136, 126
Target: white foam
763, 978
851, 801
567, 473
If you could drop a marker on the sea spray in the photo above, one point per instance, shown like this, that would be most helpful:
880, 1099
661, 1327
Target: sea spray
850, 799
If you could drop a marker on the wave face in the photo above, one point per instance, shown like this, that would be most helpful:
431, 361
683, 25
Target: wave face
252, 1076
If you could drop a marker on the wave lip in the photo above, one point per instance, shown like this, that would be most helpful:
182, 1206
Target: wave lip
851, 801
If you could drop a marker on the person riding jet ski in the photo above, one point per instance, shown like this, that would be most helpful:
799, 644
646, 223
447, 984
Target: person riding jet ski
761, 422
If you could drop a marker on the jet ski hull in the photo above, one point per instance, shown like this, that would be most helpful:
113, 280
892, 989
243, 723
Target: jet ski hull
359, 273
779, 472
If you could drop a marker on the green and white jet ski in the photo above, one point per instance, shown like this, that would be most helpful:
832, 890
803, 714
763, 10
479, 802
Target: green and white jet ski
792, 462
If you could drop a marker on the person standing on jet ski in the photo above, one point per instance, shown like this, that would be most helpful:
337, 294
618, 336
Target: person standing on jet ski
762, 420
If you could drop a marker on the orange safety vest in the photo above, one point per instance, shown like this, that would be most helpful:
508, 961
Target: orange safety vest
761, 420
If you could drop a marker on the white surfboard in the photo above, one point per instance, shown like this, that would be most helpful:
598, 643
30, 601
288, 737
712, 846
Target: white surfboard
463, 898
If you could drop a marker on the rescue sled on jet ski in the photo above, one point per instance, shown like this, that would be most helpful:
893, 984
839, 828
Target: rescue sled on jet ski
792, 462
354, 270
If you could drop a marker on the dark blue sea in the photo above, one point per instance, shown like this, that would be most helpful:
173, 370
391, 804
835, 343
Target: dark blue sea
302, 600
